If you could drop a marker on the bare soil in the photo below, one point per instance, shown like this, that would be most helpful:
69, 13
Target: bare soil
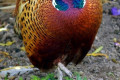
94, 68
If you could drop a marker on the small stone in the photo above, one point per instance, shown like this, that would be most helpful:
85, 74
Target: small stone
81, 72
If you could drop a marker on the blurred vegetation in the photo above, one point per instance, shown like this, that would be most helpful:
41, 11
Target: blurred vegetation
52, 77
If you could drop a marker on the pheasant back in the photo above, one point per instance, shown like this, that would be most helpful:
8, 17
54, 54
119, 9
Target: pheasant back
57, 31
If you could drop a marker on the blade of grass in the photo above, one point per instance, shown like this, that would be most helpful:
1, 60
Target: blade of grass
98, 49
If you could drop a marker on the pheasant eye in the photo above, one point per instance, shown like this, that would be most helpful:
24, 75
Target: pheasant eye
79, 3
60, 5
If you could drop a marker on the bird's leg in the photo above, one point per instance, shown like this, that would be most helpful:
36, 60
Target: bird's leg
64, 69
59, 75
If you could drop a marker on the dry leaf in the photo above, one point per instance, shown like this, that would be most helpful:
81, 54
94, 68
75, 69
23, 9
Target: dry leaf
3, 29
7, 44
1, 60
6, 54
95, 53
22, 48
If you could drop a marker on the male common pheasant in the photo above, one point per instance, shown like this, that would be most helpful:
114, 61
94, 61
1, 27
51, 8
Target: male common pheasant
56, 32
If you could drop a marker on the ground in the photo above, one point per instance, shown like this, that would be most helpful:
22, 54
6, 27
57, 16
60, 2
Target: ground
94, 68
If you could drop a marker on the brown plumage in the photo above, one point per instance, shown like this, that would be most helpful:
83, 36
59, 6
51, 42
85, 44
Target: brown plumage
51, 36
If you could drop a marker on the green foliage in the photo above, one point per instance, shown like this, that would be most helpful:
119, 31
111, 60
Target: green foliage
67, 78
51, 77
20, 78
6, 77
78, 77
48, 77
33, 77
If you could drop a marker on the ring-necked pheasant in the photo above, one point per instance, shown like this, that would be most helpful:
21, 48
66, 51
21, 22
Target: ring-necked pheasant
56, 32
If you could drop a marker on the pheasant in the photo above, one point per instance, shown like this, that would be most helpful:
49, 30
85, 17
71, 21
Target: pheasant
57, 32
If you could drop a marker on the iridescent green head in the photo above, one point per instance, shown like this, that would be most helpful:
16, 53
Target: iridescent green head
62, 6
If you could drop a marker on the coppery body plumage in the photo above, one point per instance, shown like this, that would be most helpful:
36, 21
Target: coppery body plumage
51, 36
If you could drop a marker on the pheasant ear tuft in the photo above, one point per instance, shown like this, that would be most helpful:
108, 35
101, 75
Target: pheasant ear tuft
60, 5
79, 3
